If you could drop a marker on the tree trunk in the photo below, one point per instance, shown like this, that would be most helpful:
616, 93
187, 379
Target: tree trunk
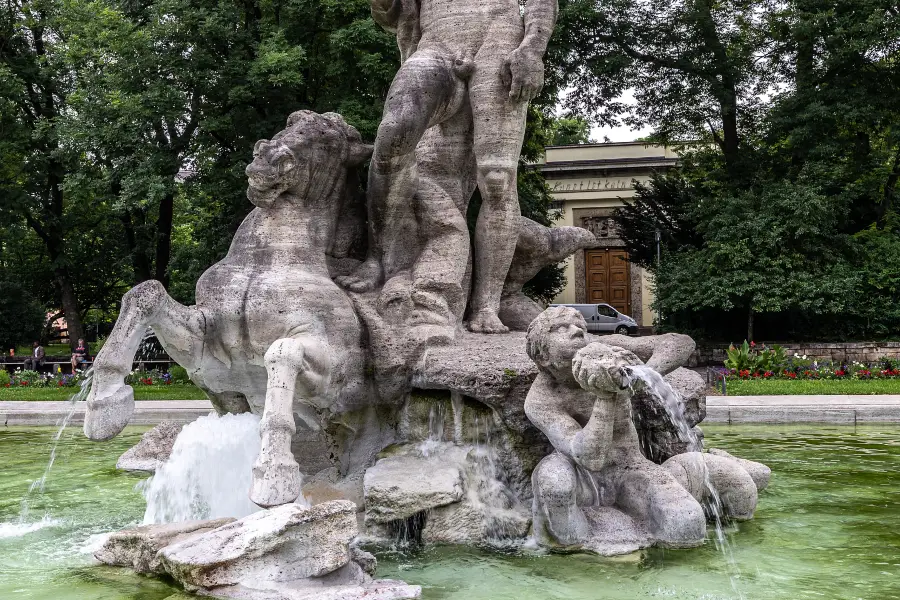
140, 264
164, 238
69, 305
729, 114
750, 324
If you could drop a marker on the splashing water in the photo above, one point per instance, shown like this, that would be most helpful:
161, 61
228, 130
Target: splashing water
38, 485
209, 472
671, 400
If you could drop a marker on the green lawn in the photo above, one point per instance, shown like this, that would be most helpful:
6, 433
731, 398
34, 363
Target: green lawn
53, 349
784, 387
162, 392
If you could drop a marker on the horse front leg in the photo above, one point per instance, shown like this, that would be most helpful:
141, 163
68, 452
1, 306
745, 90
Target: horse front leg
296, 367
110, 403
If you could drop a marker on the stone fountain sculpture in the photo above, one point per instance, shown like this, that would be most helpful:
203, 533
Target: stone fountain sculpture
353, 329
597, 490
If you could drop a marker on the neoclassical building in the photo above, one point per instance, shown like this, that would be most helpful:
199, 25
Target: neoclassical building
588, 182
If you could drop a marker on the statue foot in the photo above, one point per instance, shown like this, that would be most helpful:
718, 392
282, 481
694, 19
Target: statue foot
106, 417
276, 483
429, 309
486, 321
365, 278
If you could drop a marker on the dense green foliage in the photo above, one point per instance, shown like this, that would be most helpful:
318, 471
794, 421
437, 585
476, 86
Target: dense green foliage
782, 222
21, 317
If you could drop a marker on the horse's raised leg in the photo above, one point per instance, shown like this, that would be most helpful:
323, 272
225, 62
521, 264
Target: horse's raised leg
295, 366
110, 403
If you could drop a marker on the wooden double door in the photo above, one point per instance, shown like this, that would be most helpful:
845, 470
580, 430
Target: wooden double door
608, 278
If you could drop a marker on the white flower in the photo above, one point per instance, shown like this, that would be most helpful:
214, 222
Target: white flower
804, 357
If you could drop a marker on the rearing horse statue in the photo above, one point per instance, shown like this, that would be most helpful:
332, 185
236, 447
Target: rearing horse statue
270, 333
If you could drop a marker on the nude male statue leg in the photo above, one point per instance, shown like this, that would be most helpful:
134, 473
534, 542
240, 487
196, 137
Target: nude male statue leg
509, 73
441, 274
425, 92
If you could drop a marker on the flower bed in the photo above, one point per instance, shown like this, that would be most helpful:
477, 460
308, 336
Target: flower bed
749, 362
33, 379
148, 385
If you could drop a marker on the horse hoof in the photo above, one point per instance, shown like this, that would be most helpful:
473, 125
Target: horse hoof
106, 417
276, 484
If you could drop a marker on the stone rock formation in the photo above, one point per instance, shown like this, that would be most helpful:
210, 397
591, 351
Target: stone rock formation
289, 552
153, 449
138, 548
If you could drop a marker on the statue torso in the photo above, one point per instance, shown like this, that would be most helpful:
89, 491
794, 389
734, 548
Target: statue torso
466, 24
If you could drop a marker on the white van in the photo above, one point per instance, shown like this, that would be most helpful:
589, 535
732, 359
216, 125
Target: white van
603, 318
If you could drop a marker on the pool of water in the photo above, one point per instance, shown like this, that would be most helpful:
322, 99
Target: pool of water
828, 527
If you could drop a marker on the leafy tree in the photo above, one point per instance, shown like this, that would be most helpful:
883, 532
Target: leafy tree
568, 131
35, 83
21, 316
694, 66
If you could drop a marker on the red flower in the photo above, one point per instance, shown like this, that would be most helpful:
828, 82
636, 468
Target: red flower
753, 344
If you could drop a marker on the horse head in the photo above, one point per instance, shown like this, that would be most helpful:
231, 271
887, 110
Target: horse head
306, 161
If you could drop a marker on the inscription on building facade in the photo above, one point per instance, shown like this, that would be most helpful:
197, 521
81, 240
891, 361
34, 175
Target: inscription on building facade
590, 185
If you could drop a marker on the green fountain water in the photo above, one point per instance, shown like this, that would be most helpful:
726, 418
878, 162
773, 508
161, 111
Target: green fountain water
828, 527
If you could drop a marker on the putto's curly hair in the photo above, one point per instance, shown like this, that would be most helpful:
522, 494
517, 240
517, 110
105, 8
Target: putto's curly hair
540, 328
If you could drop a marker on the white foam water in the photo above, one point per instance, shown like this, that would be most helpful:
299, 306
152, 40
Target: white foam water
674, 406
20, 528
209, 472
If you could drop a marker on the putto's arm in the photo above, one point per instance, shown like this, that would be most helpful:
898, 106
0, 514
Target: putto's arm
588, 446
387, 13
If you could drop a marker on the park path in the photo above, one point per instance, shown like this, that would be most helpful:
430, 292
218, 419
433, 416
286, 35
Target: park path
846, 409
849, 410
146, 412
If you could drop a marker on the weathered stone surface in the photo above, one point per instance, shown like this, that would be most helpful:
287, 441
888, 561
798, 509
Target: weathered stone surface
758, 471
138, 547
366, 560
153, 449
286, 543
310, 589
662, 353
473, 522
350, 582
612, 532
537, 247
398, 487
697, 471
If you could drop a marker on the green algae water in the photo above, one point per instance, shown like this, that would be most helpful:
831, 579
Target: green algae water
827, 527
